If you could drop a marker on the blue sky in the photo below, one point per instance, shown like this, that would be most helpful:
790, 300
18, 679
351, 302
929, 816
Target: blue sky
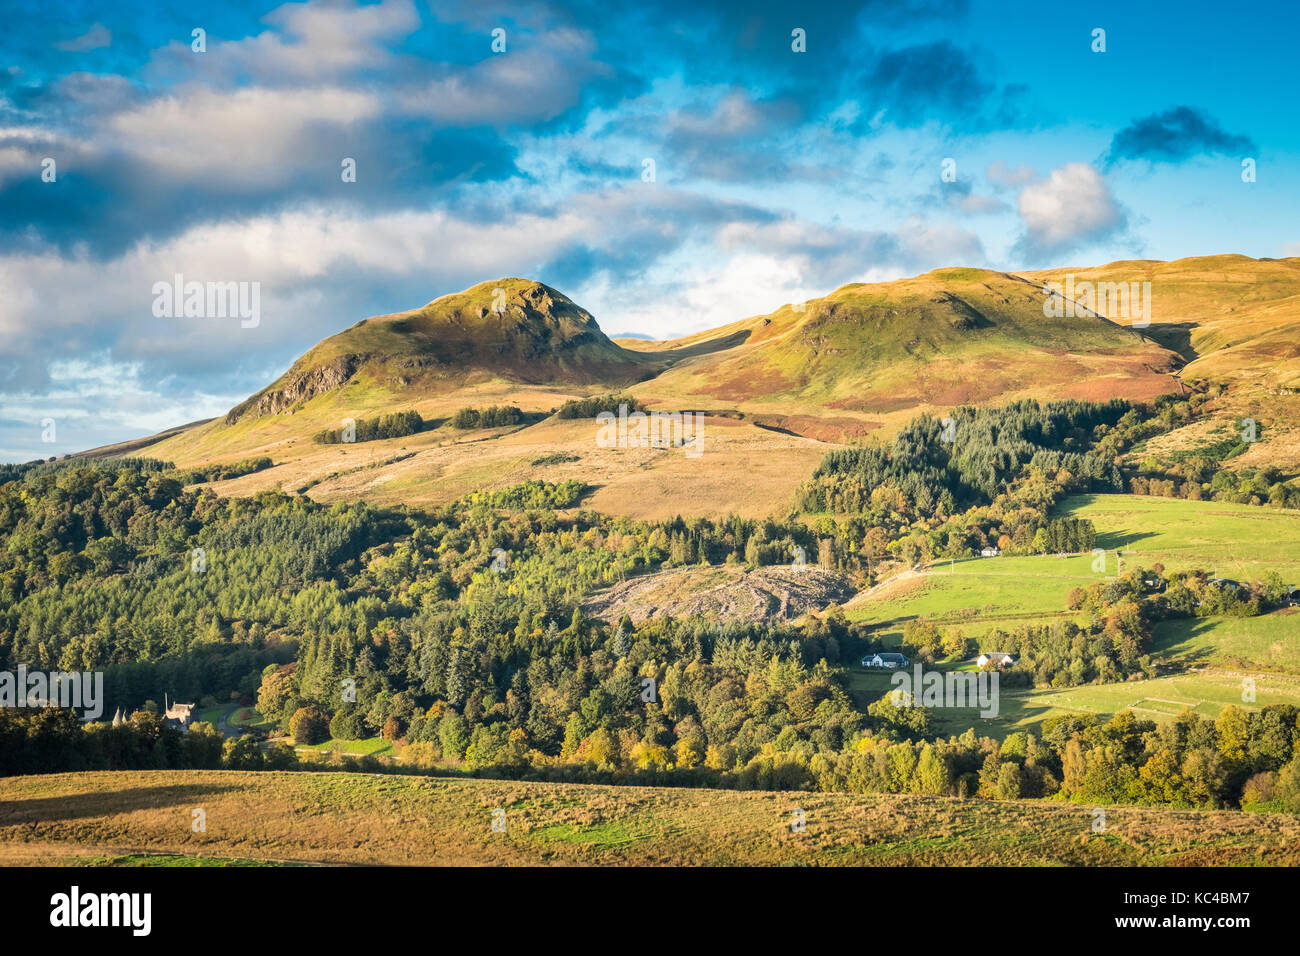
778, 175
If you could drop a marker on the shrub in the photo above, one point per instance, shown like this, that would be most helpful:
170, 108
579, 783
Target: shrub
346, 725
309, 726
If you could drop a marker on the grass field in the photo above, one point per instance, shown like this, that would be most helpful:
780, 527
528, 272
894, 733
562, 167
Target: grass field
1235, 541
371, 746
1238, 541
1206, 692
1270, 641
143, 817
978, 594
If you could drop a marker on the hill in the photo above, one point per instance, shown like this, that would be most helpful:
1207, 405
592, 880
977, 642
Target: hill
867, 355
1236, 322
780, 389
511, 329
76, 819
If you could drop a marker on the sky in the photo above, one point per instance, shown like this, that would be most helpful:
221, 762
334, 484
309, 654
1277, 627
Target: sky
670, 166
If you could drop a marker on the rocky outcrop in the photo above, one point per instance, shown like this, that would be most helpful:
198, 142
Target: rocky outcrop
299, 388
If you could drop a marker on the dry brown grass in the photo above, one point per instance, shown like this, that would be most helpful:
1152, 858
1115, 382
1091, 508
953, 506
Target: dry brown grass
743, 469
362, 819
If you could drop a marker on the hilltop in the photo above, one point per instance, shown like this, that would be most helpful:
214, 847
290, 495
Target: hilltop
513, 330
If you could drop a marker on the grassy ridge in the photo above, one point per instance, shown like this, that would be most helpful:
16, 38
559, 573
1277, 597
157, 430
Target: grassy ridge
127, 817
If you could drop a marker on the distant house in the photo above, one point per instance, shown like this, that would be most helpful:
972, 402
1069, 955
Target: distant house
990, 552
888, 660
1156, 584
995, 659
178, 715
1293, 597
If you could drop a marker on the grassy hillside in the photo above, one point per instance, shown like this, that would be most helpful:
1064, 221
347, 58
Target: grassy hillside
437, 466
1236, 321
855, 360
75, 819
978, 594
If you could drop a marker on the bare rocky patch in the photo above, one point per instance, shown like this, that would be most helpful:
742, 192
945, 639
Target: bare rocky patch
729, 592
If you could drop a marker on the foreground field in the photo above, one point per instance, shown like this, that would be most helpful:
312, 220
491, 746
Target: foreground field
96, 818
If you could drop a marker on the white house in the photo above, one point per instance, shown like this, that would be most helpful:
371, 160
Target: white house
178, 715
990, 552
996, 659
887, 660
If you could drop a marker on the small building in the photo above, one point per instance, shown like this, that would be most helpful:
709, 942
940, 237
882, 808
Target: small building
178, 715
1293, 597
990, 552
996, 659
885, 659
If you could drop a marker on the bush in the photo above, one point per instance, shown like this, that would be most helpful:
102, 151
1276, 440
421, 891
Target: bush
203, 746
280, 756
346, 725
309, 725
1259, 788
394, 425
494, 416
1288, 787
591, 407
243, 754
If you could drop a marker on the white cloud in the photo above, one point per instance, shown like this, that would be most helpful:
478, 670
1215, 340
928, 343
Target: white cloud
88, 399
1072, 206
249, 135
307, 41
532, 83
